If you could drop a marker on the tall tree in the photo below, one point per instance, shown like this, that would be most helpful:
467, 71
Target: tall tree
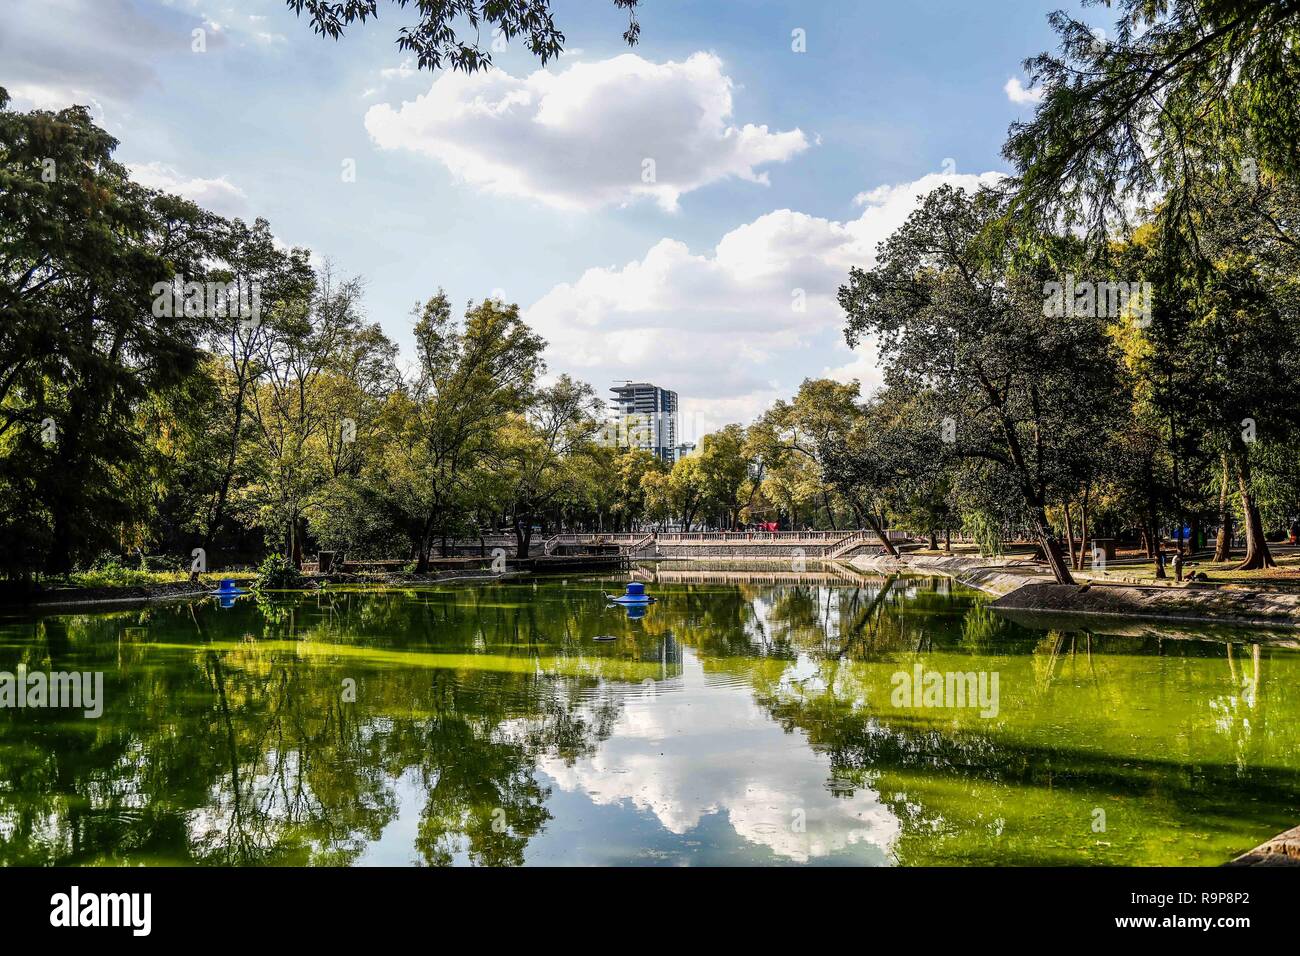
953, 306
256, 270
724, 469
472, 376
308, 347
537, 445
82, 342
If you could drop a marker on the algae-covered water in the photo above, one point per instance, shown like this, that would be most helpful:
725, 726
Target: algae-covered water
743, 719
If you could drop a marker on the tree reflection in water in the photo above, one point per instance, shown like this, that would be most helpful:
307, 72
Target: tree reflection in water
289, 730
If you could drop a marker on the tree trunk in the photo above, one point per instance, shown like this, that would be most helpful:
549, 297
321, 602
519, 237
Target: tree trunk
1257, 553
1223, 544
1069, 535
947, 539
1033, 494
934, 541
830, 511
420, 542
217, 514
873, 523
1051, 546
62, 499
1083, 531
523, 534
1159, 545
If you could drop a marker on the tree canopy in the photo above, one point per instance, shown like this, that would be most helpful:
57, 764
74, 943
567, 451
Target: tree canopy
439, 35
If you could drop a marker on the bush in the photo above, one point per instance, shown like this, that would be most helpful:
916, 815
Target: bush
277, 574
985, 532
109, 572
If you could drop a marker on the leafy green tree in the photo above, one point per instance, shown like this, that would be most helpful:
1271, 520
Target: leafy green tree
1213, 369
254, 266
791, 487
446, 426
875, 455
800, 445
633, 465
954, 306
724, 469
676, 495
916, 471
536, 447
82, 342
1182, 86
315, 358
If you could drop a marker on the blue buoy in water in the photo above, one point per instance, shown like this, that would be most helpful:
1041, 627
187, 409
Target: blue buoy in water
227, 592
635, 594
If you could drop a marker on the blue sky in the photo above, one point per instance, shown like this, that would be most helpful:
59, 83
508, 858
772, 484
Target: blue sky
773, 170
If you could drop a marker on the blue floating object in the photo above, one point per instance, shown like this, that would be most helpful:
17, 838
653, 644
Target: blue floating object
227, 588
635, 595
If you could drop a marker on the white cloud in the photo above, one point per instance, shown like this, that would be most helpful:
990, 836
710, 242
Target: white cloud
60, 52
723, 328
402, 71
581, 138
864, 366
700, 748
54, 97
219, 195
1017, 93
242, 28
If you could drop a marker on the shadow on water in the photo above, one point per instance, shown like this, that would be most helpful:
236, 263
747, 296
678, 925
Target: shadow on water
747, 717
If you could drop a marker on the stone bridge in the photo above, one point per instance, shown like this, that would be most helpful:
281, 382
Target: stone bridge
776, 545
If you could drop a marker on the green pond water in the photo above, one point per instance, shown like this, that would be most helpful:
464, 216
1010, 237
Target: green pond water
756, 718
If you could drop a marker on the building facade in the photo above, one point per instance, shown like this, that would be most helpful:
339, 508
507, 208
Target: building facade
646, 417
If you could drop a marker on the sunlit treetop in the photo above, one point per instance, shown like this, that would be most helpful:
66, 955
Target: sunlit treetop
434, 41
1179, 90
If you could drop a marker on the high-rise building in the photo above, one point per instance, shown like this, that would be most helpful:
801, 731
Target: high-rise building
647, 416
